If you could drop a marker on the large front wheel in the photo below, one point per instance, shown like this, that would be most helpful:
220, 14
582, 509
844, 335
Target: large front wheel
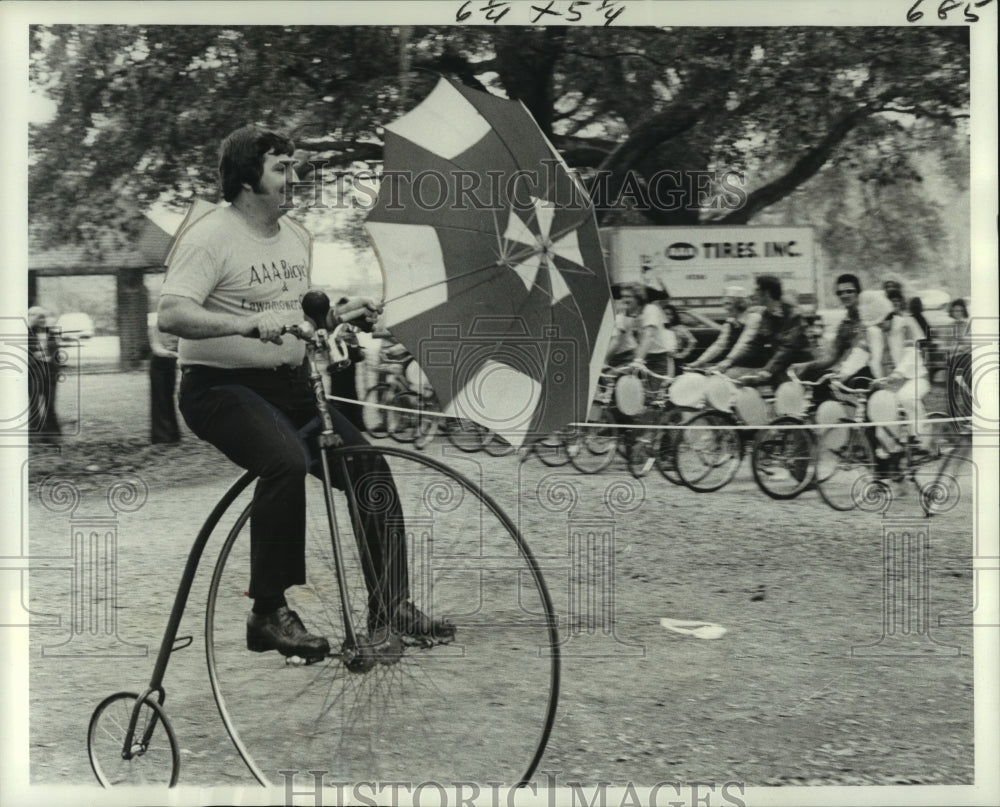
478, 709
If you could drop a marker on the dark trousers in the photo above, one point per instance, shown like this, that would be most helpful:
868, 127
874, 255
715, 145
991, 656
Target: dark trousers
265, 421
162, 410
42, 383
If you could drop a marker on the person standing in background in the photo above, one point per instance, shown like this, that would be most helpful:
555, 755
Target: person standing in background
43, 375
163, 426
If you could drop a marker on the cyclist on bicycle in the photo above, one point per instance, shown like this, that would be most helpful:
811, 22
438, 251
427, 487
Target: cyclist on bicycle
779, 340
848, 289
888, 346
656, 343
241, 271
742, 321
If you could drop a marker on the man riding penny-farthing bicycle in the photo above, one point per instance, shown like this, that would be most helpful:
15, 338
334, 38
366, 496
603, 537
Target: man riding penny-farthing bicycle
242, 271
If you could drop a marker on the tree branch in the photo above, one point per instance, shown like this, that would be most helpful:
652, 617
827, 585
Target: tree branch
647, 136
804, 168
600, 57
920, 112
347, 150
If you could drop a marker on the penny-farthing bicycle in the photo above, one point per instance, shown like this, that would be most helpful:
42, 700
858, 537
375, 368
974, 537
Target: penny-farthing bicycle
479, 708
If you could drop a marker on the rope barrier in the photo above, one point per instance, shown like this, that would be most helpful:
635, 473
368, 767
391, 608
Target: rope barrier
678, 426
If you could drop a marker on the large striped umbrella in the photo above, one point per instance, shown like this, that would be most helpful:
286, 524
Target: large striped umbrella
493, 272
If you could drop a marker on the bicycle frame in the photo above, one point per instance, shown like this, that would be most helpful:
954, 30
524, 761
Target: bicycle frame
316, 343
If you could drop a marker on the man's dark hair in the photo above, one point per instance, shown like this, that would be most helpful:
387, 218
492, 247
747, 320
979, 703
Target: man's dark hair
771, 285
852, 279
241, 158
638, 291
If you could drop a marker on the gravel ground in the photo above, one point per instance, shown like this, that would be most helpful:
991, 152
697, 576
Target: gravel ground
808, 686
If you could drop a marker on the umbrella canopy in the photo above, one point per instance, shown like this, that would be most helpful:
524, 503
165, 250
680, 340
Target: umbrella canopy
494, 277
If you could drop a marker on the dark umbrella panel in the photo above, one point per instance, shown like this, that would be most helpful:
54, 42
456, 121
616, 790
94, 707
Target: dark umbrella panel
494, 274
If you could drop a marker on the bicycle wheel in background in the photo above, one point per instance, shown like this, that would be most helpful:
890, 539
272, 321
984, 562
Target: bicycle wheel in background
497, 446
708, 458
466, 435
478, 709
666, 445
782, 459
553, 449
403, 420
941, 476
641, 456
596, 444
844, 465
428, 422
375, 419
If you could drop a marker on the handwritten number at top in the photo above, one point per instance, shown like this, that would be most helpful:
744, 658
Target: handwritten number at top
543, 13
945, 7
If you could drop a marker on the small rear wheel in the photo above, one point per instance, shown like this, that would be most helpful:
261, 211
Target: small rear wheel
782, 458
153, 755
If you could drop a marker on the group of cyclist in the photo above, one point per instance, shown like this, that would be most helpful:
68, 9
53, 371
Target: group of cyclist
765, 339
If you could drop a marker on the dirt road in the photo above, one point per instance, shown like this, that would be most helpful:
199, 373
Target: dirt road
808, 685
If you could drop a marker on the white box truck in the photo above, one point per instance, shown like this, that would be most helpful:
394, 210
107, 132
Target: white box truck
696, 264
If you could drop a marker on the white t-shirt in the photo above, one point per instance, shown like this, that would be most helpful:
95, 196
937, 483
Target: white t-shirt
224, 266
624, 337
663, 341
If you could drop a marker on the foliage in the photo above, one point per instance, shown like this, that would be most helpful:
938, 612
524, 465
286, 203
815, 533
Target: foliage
141, 109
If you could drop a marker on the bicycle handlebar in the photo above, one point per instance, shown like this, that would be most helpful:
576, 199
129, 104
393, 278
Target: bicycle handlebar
628, 369
819, 381
842, 387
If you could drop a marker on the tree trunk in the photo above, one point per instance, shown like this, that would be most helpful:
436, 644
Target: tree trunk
525, 64
132, 306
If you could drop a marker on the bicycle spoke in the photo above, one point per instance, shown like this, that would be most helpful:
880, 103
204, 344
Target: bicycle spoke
409, 720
